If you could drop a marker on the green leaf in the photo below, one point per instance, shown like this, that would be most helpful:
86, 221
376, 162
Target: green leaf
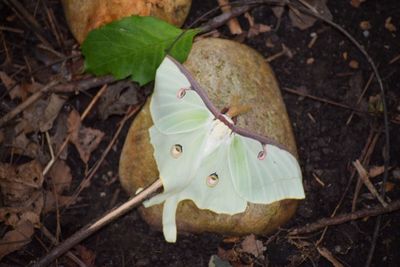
134, 46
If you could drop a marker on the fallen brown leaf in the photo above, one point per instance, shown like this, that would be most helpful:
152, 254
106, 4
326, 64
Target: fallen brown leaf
15, 239
55, 103
41, 115
253, 246
85, 139
19, 182
117, 98
52, 201
303, 21
61, 132
21, 145
60, 175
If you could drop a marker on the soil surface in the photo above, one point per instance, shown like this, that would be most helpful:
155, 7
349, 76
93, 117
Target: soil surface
327, 144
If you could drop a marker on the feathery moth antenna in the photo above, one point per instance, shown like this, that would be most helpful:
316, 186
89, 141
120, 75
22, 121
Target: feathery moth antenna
212, 180
263, 153
182, 92
176, 151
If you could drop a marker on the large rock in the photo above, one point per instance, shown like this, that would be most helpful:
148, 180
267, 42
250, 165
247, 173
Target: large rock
86, 15
226, 70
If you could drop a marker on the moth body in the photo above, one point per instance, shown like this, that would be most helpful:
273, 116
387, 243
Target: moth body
218, 134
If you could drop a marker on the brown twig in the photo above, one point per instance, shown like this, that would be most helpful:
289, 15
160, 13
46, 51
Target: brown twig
29, 101
343, 218
363, 174
369, 148
284, 52
320, 99
53, 240
220, 20
233, 23
92, 228
83, 85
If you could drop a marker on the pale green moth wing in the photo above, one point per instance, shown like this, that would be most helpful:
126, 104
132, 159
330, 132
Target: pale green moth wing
171, 113
275, 177
176, 169
204, 179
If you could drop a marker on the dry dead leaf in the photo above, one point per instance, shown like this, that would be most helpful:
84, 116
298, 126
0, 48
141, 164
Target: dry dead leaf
41, 115
85, 139
60, 175
19, 182
228, 254
61, 132
12, 214
23, 90
55, 103
303, 21
10, 85
117, 98
15, 239
253, 246
52, 201
21, 145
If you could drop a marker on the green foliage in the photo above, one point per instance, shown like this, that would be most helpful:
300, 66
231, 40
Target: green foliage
134, 46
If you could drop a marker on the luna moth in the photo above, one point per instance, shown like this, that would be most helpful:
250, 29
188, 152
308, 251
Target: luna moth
204, 157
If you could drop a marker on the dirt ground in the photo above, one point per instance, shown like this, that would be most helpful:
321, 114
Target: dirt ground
327, 144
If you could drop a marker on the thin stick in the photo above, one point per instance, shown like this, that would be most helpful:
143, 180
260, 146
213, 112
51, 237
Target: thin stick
343, 218
69, 254
233, 23
92, 228
320, 99
363, 174
29, 101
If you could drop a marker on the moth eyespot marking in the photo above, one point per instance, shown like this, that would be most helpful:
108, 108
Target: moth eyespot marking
212, 180
181, 93
176, 151
263, 153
